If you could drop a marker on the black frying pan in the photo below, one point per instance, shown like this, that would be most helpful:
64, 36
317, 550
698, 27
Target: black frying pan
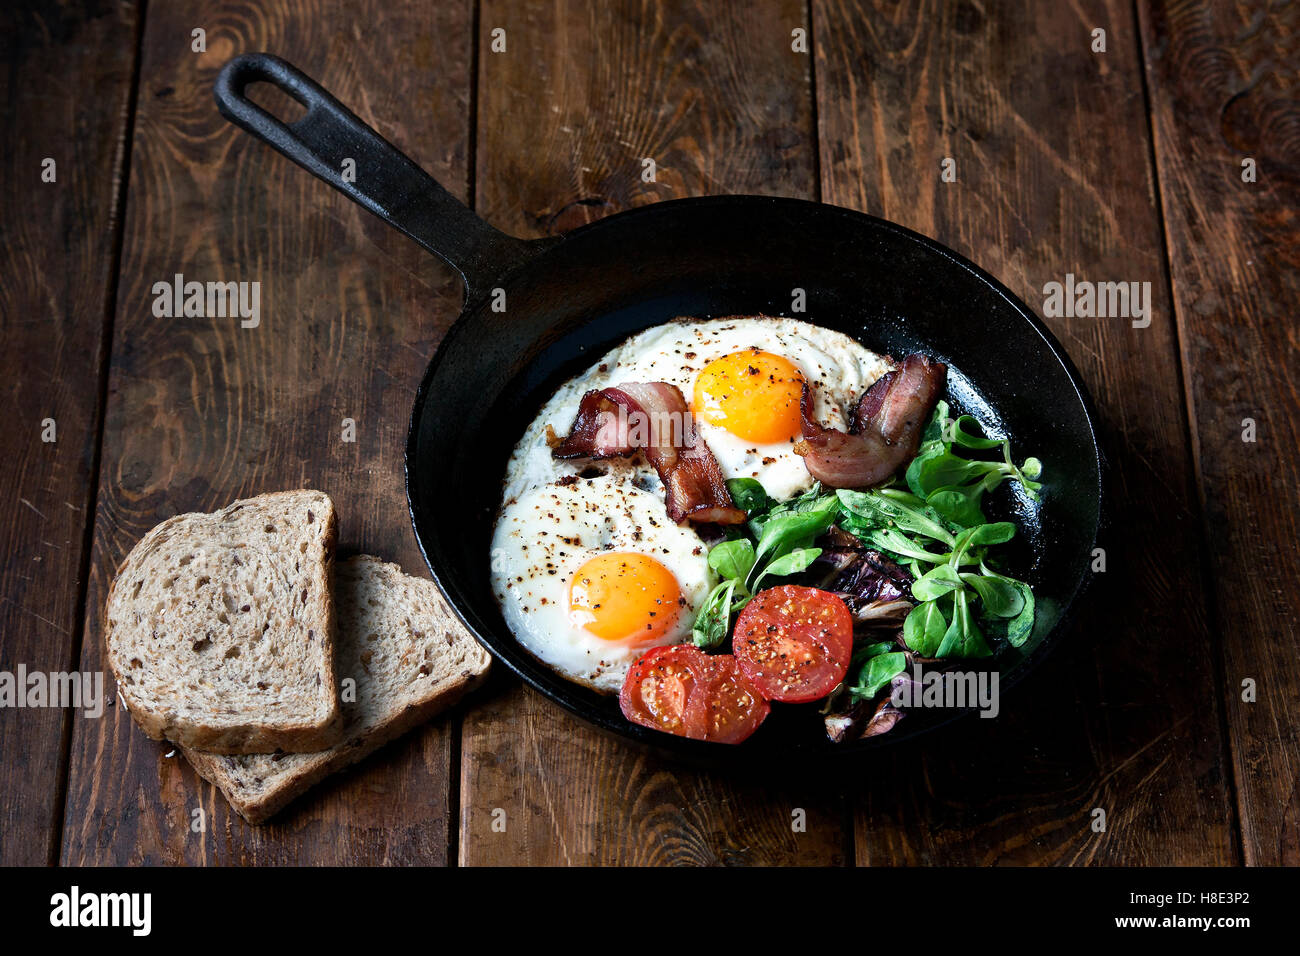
570, 298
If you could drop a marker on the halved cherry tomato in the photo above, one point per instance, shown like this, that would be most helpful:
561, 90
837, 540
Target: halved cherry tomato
658, 686
726, 708
794, 643
681, 690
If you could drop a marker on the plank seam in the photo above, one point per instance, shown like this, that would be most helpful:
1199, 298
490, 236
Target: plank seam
816, 121
455, 808
104, 359
848, 813
1218, 661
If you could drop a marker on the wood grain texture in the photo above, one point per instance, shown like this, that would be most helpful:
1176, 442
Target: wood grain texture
584, 92
202, 411
1053, 171
56, 275
1224, 81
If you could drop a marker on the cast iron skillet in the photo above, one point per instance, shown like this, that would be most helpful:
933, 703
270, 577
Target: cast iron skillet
569, 299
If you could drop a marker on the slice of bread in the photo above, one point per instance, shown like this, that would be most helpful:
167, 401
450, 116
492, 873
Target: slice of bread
220, 627
408, 658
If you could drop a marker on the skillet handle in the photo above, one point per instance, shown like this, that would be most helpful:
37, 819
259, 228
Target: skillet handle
385, 181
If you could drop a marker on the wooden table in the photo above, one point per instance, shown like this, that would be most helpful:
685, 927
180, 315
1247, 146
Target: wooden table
1122, 165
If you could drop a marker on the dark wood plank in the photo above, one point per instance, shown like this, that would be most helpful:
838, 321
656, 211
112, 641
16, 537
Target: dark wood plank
65, 92
583, 92
1223, 81
202, 411
1053, 176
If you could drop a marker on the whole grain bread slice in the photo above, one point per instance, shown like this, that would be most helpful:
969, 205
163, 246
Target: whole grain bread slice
402, 658
220, 627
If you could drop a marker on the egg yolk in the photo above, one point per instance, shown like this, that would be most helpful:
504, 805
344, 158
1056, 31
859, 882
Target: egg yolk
621, 595
752, 394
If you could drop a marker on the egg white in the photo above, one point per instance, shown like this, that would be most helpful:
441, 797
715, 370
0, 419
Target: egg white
839, 367
546, 533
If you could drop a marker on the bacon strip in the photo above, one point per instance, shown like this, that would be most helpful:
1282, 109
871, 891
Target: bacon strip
885, 431
616, 422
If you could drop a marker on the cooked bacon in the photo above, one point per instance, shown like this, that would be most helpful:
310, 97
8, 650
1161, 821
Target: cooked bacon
616, 422
885, 429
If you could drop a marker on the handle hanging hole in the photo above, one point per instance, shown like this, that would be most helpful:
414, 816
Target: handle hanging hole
280, 104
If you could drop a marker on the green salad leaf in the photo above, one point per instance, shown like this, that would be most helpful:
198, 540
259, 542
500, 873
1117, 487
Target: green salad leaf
963, 637
790, 531
959, 505
749, 495
924, 629
881, 510
878, 672
937, 582
999, 596
714, 617
791, 563
733, 559
873, 667
934, 524
959, 432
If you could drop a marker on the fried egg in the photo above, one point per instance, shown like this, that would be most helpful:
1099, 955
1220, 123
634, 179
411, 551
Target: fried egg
591, 573
742, 378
